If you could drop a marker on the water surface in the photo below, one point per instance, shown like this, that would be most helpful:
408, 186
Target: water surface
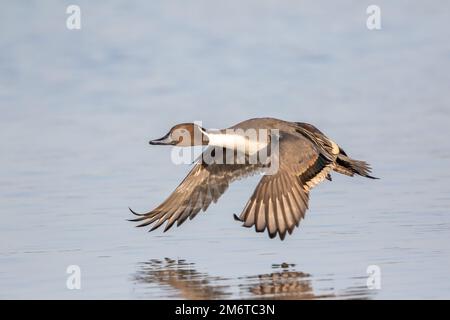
78, 108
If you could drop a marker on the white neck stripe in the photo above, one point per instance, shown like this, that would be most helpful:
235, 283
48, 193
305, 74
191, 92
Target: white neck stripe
236, 142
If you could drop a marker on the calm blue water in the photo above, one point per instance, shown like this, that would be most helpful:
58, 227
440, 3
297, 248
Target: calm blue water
78, 108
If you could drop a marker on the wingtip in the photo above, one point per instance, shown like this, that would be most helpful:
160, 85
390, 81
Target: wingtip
236, 218
168, 226
272, 235
134, 212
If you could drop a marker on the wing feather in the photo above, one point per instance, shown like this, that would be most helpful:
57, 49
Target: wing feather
284, 195
204, 184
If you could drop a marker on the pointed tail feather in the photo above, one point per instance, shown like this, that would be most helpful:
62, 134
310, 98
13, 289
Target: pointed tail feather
349, 167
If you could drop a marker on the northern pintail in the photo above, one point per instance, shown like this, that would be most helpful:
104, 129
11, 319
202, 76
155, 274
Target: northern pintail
304, 157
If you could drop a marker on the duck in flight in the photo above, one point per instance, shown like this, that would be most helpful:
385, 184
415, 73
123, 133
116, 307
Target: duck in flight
303, 155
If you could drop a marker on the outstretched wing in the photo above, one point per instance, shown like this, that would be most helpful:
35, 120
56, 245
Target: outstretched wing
280, 200
204, 184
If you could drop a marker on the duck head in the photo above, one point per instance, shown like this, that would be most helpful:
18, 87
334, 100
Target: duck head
183, 135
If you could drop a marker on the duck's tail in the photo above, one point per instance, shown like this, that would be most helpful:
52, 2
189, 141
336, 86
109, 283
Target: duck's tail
350, 167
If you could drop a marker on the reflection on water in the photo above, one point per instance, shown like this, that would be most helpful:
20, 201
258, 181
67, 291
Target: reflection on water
182, 277
285, 284
184, 281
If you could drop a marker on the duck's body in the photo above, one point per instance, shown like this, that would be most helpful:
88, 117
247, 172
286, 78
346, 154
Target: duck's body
304, 157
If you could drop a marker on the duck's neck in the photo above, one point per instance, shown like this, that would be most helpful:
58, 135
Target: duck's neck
235, 141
